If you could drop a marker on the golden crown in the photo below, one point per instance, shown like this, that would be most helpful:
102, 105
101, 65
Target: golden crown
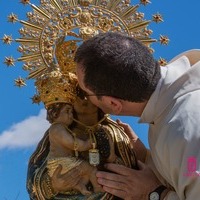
55, 28
56, 87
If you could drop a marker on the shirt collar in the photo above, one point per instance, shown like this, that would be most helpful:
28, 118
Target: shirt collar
169, 74
148, 113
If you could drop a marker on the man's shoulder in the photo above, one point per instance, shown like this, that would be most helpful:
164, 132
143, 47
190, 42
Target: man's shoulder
192, 55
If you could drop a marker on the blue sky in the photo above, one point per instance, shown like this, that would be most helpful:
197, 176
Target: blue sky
22, 123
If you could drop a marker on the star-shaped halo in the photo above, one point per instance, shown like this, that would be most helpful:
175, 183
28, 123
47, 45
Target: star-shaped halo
145, 2
162, 62
164, 40
9, 61
12, 18
7, 39
36, 99
20, 82
25, 2
157, 18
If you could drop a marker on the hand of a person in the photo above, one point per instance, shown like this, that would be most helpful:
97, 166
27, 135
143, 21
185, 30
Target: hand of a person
138, 146
128, 130
63, 182
128, 183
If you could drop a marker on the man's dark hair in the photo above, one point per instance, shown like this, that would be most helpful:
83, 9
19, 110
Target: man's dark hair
118, 65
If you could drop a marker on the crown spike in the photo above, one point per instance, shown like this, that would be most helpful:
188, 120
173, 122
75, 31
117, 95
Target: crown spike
129, 11
147, 41
28, 58
137, 26
73, 2
30, 25
36, 73
56, 4
40, 11
27, 41
96, 2
113, 4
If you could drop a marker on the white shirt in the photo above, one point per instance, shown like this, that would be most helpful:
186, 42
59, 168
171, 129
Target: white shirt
173, 113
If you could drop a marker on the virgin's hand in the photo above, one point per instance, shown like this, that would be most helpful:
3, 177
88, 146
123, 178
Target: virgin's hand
128, 183
138, 146
128, 130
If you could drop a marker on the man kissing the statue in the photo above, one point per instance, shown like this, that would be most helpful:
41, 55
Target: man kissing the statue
122, 78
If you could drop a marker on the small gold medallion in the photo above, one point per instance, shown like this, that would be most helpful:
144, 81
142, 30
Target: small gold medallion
94, 158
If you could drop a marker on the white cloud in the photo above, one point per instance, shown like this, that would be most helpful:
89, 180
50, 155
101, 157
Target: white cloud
25, 133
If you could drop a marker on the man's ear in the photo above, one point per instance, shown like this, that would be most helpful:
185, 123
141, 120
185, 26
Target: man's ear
113, 103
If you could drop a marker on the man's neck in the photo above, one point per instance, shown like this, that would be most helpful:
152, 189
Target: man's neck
133, 109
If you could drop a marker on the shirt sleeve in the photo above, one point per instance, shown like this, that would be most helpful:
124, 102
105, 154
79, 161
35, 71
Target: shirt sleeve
150, 163
171, 195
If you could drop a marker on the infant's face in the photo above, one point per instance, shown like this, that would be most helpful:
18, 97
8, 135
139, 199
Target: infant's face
66, 114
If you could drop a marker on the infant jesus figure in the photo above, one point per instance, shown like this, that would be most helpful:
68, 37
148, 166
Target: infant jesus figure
65, 145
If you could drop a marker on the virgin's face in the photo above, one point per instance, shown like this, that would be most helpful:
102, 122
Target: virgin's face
84, 106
